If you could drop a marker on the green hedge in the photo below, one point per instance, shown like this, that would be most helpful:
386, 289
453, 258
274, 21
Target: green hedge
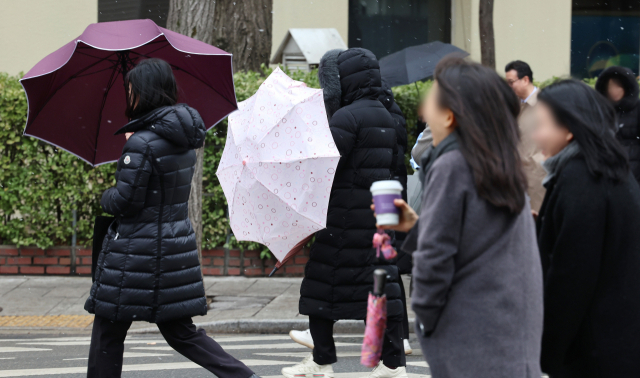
40, 185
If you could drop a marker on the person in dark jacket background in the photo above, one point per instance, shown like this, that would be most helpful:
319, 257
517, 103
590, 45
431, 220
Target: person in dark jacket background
148, 268
620, 86
403, 261
339, 274
477, 277
588, 238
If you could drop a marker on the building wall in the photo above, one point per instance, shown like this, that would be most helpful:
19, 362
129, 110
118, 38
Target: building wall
289, 14
31, 29
538, 32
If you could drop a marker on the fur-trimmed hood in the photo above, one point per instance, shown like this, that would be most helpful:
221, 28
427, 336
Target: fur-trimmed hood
348, 76
627, 78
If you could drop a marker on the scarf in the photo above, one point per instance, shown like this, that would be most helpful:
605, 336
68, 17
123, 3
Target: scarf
430, 156
554, 164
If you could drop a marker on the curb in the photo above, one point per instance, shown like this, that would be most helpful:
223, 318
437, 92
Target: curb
270, 326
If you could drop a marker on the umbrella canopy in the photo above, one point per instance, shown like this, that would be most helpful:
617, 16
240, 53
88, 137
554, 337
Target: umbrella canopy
278, 165
415, 63
76, 94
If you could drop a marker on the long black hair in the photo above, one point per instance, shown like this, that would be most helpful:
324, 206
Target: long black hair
152, 86
591, 118
486, 112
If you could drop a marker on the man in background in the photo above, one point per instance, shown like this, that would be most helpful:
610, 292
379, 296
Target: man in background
520, 79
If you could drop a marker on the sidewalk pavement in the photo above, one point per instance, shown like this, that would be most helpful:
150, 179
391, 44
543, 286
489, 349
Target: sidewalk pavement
238, 305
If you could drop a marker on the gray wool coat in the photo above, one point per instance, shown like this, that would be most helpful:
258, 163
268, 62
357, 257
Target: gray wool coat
477, 280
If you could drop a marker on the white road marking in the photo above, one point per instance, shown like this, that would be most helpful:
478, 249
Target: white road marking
251, 346
137, 367
88, 342
126, 355
418, 363
357, 375
305, 354
7, 358
18, 349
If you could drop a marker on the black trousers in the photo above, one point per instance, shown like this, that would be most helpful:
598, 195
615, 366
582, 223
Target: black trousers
107, 348
405, 315
324, 347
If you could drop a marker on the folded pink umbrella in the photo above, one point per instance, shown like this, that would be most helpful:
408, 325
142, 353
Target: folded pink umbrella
76, 94
376, 321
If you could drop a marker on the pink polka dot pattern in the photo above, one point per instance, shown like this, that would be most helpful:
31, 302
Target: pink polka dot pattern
278, 164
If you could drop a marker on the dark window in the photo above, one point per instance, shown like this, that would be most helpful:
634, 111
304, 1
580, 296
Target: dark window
118, 10
603, 34
387, 26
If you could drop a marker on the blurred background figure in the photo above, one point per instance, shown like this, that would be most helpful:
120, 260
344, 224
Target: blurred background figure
620, 86
588, 237
520, 79
476, 263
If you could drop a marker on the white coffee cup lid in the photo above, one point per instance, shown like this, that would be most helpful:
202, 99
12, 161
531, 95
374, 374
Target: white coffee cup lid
386, 185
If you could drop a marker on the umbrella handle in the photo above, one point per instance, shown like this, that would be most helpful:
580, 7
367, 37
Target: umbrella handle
379, 281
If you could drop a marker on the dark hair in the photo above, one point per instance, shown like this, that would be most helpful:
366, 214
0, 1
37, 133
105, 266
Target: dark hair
522, 68
591, 118
152, 86
486, 112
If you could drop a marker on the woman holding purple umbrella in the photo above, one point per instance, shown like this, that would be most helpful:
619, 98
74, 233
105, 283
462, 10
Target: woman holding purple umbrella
148, 268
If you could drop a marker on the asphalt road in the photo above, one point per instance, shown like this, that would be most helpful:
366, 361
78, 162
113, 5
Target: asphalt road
149, 356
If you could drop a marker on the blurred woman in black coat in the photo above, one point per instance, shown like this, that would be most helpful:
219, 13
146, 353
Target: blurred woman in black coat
588, 238
620, 86
148, 268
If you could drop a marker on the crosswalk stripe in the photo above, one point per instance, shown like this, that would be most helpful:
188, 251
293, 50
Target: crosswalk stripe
18, 349
137, 367
305, 354
358, 375
251, 346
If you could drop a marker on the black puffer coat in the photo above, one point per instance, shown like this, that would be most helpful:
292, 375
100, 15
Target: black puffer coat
628, 110
148, 268
339, 274
403, 262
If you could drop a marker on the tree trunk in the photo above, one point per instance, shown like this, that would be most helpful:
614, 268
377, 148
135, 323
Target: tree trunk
487, 39
195, 200
243, 28
194, 18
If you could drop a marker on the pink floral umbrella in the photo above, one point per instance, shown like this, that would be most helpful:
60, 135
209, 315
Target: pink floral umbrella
278, 164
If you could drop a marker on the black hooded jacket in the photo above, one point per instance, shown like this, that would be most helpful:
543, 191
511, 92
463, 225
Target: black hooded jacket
339, 274
148, 268
628, 112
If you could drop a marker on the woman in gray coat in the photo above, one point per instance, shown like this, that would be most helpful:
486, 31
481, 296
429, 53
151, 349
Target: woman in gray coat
477, 273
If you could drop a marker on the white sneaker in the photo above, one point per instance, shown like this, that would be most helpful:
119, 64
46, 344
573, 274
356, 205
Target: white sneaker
302, 337
407, 347
382, 371
308, 369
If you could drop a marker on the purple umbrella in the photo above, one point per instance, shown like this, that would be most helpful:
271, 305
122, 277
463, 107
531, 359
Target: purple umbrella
76, 94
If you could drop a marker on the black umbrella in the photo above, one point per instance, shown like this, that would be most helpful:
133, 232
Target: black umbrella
415, 63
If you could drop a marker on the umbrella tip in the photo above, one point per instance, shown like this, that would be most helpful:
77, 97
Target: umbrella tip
273, 271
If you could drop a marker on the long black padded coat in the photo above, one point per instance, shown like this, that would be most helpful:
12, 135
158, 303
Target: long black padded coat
148, 268
590, 246
339, 274
628, 111
403, 262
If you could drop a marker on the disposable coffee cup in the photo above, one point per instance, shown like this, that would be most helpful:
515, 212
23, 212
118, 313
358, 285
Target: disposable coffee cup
384, 192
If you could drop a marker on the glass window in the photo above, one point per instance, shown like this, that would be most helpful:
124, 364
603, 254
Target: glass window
604, 34
118, 10
386, 26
